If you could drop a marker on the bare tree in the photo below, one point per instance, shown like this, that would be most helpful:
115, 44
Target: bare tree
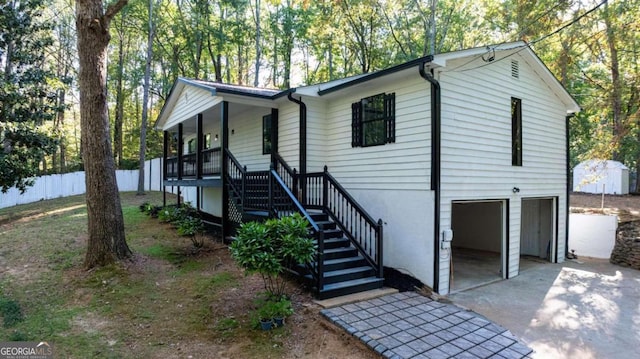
106, 241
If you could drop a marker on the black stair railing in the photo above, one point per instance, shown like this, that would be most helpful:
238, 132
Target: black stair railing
366, 234
283, 202
256, 193
236, 178
288, 175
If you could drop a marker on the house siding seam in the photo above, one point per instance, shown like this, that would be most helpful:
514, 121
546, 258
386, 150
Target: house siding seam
476, 147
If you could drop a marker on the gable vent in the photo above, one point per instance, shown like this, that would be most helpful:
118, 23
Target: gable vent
515, 70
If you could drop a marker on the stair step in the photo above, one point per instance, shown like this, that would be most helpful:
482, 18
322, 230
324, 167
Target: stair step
341, 252
319, 216
333, 233
343, 263
348, 287
342, 275
335, 243
326, 224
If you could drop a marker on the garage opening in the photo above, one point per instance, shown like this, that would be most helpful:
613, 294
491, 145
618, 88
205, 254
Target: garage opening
536, 231
477, 246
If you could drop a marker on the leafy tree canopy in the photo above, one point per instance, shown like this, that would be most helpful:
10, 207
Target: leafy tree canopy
27, 98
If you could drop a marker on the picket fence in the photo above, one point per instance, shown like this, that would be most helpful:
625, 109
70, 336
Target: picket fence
71, 184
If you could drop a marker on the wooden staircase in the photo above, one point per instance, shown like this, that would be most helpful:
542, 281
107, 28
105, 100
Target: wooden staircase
344, 264
345, 270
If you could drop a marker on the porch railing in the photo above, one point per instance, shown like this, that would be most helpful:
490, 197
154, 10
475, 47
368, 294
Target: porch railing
172, 167
211, 164
281, 197
211, 161
365, 233
189, 165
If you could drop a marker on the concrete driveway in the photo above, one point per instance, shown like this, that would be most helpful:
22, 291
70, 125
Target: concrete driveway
585, 309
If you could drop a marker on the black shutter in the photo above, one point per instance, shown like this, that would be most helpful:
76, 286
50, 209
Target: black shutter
390, 117
356, 124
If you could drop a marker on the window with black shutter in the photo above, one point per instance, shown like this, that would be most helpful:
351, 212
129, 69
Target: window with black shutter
516, 131
373, 120
266, 134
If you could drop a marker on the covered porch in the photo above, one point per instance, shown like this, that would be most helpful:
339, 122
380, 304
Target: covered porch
206, 121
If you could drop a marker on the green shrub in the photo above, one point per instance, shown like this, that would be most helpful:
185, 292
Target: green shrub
174, 214
192, 227
270, 247
150, 209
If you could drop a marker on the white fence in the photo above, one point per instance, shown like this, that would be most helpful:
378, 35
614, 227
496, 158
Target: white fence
70, 184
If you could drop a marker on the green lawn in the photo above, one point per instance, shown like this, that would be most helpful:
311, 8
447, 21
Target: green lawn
169, 301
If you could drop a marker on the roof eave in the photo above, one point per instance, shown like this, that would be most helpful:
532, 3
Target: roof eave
376, 74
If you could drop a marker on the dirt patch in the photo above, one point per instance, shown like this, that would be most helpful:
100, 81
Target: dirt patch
626, 207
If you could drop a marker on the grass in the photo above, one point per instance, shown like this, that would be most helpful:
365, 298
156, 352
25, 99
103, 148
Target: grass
169, 301
46, 294
10, 311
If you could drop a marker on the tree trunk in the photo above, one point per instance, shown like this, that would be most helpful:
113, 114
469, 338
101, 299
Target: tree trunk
145, 102
616, 93
256, 79
117, 131
106, 241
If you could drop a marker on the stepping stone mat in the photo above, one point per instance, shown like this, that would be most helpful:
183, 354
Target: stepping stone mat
408, 325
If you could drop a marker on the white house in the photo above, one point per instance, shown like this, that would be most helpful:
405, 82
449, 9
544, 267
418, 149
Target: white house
462, 152
597, 176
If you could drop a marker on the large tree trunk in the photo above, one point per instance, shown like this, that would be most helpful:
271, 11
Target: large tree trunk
106, 240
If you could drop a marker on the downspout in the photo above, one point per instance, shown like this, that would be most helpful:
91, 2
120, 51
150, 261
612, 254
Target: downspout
435, 169
303, 146
569, 183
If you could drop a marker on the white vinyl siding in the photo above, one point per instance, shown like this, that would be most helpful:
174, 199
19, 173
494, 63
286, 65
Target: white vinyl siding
476, 146
391, 181
403, 165
245, 138
288, 134
192, 100
317, 144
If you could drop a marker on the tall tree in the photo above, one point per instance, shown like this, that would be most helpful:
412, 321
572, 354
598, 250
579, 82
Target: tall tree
27, 99
106, 241
145, 98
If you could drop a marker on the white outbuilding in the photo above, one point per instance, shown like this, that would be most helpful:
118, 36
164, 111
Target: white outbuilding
598, 176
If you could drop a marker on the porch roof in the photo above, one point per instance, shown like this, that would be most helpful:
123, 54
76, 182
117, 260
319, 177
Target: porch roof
181, 105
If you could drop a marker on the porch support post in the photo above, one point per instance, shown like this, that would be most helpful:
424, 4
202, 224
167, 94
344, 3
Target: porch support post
224, 123
180, 149
180, 159
165, 153
199, 146
274, 135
